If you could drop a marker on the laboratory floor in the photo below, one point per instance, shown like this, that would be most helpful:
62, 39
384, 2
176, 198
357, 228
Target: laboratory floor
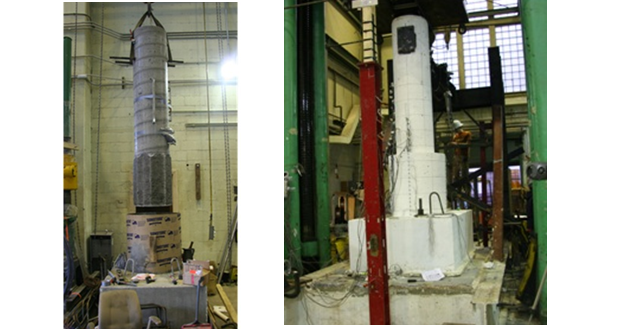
231, 291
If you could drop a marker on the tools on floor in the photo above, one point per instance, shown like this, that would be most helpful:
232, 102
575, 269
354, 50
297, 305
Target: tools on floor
227, 251
538, 295
228, 305
226, 312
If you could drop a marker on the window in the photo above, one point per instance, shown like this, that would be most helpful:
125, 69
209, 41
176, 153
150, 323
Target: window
509, 41
474, 46
447, 54
477, 71
515, 177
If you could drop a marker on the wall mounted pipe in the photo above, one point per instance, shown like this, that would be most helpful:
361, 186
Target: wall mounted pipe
195, 63
182, 35
125, 82
67, 42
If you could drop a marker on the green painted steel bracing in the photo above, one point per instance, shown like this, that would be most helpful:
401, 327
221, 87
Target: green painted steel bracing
66, 84
310, 248
534, 23
321, 135
292, 233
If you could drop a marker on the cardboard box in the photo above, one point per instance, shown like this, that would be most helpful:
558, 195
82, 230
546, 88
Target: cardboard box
210, 280
153, 240
194, 270
204, 264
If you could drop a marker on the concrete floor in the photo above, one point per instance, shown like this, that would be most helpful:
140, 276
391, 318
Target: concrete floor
514, 312
333, 296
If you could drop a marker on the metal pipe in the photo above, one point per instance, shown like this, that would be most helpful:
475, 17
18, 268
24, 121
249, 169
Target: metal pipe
179, 269
126, 268
67, 42
304, 4
182, 35
534, 23
321, 134
129, 82
439, 200
153, 100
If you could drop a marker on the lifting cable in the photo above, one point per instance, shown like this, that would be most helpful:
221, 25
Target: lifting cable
74, 193
226, 137
97, 149
211, 229
149, 14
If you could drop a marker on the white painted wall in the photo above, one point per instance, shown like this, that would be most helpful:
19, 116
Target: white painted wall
114, 107
342, 30
342, 95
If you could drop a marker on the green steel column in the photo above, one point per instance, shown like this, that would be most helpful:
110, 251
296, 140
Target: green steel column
533, 16
292, 233
321, 135
66, 84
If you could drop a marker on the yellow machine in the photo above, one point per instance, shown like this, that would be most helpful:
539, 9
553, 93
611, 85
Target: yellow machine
70, 167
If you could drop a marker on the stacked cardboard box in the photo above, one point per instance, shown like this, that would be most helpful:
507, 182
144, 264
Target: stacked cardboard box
153, 240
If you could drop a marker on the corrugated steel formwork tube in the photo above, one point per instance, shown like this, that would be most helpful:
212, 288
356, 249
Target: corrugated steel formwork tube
152, 162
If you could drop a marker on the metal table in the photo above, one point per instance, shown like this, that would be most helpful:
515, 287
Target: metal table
179, 300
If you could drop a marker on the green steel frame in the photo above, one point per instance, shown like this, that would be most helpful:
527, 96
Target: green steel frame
321, 135
533, 15
292, 236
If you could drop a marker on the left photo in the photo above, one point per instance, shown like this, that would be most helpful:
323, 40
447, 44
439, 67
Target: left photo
150, 169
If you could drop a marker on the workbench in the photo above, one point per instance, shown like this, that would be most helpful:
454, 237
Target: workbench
179, 300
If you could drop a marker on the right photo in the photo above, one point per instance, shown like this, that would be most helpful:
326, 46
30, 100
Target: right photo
415, 162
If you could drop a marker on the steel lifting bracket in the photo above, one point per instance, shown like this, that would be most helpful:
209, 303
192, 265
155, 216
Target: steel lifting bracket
130, 59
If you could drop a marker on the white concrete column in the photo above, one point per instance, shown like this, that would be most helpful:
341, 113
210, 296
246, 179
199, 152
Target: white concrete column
419, 170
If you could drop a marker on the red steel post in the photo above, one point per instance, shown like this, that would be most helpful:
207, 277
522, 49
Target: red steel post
379, 298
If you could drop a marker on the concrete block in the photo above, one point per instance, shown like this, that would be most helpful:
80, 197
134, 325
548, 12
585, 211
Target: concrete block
418, 244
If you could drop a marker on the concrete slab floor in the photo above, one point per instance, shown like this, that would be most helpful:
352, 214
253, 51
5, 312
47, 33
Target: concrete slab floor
513, 311
336, 296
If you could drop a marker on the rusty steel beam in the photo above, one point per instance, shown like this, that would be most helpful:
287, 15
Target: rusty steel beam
498, 154
484, 216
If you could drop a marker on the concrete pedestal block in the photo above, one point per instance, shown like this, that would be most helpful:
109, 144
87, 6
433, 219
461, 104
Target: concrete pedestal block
418, 244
